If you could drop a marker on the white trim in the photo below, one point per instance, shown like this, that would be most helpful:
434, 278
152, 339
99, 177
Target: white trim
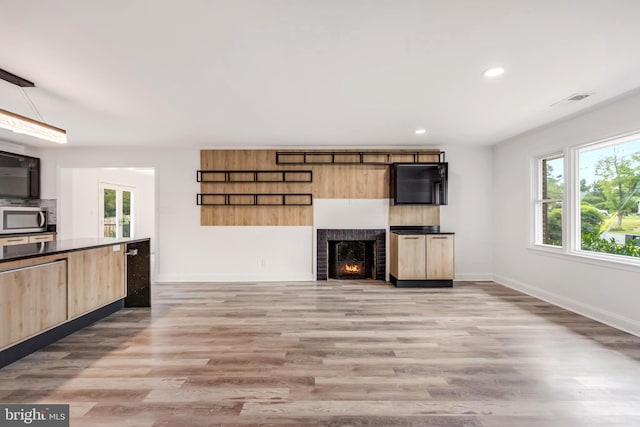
608, 141
603, 316
618, 262
473, 277
189, 278
537, 202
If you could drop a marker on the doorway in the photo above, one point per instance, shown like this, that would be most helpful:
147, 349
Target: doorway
117, 216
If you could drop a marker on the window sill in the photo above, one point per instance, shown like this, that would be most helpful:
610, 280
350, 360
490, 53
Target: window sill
592, 258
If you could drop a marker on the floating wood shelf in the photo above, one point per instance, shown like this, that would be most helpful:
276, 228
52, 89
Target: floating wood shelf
354, 157
263, 176
253, 199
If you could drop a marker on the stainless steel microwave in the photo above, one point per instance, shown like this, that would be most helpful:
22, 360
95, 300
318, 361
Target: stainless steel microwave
17, 219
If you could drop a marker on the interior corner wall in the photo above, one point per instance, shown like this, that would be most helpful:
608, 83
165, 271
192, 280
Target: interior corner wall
79, 199
602, 291
186, 251
470, 209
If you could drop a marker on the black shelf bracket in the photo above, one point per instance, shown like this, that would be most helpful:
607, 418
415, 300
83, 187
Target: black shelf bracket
254, 199
258, 176
353, 157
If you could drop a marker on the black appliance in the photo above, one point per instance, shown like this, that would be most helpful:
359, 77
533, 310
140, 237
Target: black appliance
419, 183
19, 176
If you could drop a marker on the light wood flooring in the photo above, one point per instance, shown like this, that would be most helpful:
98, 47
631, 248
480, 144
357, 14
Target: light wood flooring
337, 354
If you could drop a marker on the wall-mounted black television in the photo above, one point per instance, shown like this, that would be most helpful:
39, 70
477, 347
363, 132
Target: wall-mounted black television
19, 176
419, 183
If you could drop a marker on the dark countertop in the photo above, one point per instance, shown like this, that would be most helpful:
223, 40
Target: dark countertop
417, 229
414, 232
33, 250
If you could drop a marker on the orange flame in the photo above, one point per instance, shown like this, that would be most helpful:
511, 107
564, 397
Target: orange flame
352, 268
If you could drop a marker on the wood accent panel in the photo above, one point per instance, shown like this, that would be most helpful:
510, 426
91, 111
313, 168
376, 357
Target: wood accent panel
414, 215
256, 215
32, 299
440, 257
329, 182
96, 277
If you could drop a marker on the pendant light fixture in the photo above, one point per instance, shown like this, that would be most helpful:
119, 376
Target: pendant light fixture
24, 125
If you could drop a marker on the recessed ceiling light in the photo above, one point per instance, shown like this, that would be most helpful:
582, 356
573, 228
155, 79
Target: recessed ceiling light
421, 131
493, 72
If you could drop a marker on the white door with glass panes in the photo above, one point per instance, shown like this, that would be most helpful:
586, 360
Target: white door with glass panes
116, 210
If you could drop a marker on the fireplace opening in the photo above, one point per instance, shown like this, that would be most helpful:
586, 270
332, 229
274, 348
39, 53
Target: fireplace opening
351, 259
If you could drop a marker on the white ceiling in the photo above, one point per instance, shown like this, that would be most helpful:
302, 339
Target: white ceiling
251, 73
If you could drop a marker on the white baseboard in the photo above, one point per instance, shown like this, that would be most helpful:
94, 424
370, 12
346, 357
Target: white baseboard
603, 316
186, 278
473, 277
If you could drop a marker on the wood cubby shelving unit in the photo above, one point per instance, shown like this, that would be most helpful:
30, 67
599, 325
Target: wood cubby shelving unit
254, 199
261, 176
354, 157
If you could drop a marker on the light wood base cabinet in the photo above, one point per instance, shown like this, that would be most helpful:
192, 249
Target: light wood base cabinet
422, 260
96, 278
32, 299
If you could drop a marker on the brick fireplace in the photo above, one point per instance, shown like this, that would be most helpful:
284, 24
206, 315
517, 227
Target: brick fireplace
351, 254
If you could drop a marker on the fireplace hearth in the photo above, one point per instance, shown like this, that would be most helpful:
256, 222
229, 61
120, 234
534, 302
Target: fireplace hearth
351, 254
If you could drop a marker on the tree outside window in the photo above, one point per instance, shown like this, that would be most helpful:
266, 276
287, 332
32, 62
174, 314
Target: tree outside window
609, 177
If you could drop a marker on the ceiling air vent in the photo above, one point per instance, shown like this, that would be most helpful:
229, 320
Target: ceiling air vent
573, 98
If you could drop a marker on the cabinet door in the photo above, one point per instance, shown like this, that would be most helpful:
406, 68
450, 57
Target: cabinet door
8, 241
96, 278
440, 258
41, 238
411, 258
32, 299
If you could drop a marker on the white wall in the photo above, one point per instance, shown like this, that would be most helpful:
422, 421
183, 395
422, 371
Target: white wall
186, 251
604, 291
79, 198
470, 209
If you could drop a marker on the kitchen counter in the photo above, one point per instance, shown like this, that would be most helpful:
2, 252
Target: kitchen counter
58, 287
32, 250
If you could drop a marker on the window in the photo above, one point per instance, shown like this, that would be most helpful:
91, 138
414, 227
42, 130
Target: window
609, 196
549, 201
595, 209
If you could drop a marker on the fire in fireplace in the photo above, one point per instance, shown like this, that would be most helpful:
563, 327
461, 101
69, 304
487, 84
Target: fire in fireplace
374, 266
351, 259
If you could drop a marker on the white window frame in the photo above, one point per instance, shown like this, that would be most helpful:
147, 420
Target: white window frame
571, 236
539, 202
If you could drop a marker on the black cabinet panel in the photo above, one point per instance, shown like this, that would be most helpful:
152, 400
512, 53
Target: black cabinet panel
138, 275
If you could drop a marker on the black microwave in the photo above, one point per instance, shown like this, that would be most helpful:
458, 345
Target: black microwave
19, 176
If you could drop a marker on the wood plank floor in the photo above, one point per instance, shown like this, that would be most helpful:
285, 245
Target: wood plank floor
338, 354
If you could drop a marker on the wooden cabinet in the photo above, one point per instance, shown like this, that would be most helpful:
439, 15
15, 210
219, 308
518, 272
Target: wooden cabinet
96, 278
50, 237
440, 257
411, 252
32, 299
8, 241
422, 260
21, 240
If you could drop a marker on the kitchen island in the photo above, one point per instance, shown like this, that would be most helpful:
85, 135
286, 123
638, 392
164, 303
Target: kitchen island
51, 289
